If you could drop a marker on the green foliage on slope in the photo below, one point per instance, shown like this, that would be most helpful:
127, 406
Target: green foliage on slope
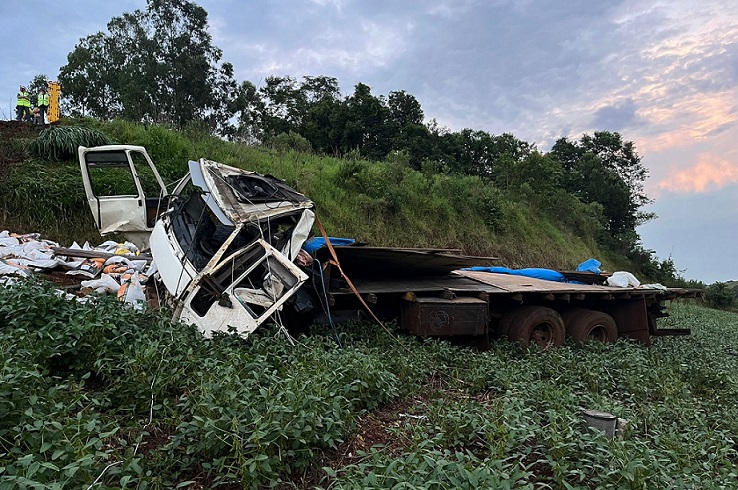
384, 203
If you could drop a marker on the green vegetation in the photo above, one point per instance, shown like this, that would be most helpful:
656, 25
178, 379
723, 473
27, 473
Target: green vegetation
62, 142
722, 295
98, 393
383, 203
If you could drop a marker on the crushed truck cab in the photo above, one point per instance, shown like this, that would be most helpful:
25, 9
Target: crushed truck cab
223, 240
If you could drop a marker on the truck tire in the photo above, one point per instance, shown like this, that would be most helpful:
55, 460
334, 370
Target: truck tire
584, 325
534, 325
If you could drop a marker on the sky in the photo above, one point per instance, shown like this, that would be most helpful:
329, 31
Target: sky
662, 73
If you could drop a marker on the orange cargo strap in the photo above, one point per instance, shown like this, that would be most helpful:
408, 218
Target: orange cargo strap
335, 262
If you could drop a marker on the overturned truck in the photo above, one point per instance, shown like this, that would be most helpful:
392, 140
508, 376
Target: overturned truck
229, 248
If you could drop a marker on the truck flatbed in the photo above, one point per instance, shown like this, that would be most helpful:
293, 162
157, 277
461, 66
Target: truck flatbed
476, 303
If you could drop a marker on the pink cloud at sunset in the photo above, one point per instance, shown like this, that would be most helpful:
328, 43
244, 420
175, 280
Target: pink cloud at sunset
709, 173
682, 123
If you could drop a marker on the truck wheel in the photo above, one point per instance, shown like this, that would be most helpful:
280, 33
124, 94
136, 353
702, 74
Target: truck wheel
534, 325
584, 325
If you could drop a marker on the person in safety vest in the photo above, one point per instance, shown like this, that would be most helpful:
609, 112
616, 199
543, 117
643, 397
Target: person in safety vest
43, 104
23, 105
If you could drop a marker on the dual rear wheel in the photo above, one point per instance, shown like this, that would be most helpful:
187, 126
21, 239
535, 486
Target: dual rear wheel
584, 325
545, 327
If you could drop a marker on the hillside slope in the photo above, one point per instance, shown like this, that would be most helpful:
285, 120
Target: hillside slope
383, 203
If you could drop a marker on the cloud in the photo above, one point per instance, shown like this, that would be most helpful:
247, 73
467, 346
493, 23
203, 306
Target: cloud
695, 117
664, 74
356, 47
709, 173
337, 4
616, 117
449, 9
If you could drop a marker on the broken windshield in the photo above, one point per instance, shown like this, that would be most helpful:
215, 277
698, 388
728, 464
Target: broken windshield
259, 189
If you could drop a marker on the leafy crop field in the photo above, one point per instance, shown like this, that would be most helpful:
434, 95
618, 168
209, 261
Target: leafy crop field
100, 396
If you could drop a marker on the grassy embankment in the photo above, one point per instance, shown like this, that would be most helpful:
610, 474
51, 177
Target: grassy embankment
101, 394
381, 203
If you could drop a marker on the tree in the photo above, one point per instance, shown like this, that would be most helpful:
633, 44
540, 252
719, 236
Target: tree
247, 105
155, 65
39, 82
311, 108
366, 128
404, 109
409, 134
605, 169
325, 115
541, 172
280, 112
720, 295
603, 185
87, 78
620, 156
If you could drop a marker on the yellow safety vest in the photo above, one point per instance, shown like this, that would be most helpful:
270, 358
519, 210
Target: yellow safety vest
43, 99
24, 100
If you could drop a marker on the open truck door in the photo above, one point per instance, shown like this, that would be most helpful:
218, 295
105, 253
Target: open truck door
124, 190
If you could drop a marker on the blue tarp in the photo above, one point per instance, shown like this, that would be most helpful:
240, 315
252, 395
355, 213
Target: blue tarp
590, 265
545, 274
313, 244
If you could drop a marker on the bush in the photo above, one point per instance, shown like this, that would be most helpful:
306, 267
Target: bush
719, 295
61, 142
290, 141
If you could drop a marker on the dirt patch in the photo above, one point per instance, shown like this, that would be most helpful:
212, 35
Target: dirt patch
14, 138
15, 129
382, 428
386, 428
62, 279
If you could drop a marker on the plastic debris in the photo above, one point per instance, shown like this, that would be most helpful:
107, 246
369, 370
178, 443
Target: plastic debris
537, 273
105, 284
22, 255
623, 279
590, 265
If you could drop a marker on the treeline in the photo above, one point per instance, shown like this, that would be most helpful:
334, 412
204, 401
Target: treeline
159, 65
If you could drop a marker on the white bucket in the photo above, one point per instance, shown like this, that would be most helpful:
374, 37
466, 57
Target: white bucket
602, 421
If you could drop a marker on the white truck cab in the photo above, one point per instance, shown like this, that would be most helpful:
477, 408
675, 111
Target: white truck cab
224, 246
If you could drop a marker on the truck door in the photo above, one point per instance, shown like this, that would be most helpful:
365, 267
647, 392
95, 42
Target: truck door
124, 190
242, 291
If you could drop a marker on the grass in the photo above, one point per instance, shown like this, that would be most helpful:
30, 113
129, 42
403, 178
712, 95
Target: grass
383, 203
99, 392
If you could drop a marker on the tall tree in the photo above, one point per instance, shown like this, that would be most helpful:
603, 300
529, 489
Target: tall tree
324, 118
154, 65
620, 156
88, 77
605, 169
247, 106
280, 112
367, 129
409, 134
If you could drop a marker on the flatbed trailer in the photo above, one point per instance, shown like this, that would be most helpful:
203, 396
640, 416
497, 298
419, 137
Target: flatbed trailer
228, 246
427, 299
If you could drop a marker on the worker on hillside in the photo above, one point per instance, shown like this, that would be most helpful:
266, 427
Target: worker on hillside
23, 105
43, 104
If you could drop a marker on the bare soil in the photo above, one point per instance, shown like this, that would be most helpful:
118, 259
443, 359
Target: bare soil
15, 129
